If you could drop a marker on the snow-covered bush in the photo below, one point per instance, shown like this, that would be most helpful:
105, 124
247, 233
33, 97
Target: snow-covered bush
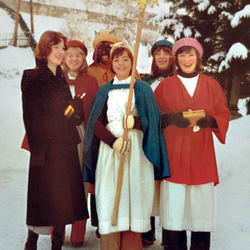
76, 23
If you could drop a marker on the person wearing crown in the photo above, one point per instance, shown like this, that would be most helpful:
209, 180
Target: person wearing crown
145, 153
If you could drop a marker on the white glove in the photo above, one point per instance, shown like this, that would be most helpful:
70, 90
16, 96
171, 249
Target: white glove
121, 145
128, 122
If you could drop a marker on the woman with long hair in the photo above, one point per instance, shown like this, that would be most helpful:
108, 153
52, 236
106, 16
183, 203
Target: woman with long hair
55, 188
80, 83
163, 66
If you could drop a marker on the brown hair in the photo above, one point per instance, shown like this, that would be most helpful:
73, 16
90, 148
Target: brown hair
47, 40
199, 67
171, 70
83, 69
118, 52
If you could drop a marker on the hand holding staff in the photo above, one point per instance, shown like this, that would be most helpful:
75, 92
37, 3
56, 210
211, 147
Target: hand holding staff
142, 5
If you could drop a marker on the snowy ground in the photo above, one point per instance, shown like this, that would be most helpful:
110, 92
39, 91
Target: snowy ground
232, 210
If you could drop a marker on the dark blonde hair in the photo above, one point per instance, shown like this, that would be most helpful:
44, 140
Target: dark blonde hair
171, 70
83, 69
199, 67
47, 40
118, 52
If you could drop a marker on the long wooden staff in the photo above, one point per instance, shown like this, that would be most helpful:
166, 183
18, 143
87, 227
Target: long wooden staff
131, 89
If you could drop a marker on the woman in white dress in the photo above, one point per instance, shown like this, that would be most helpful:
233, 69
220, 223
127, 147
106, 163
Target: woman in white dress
145, 158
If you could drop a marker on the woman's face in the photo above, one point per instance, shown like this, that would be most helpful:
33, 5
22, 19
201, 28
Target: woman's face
57, 53
162, 59
187, 61
74, 59
122, 66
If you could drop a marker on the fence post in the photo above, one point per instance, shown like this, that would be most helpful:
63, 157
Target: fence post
17, 22
31, 17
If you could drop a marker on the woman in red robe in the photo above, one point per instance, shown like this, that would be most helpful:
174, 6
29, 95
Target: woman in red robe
187, 197
75, 71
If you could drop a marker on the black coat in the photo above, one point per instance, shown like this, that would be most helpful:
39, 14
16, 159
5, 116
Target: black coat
55, 189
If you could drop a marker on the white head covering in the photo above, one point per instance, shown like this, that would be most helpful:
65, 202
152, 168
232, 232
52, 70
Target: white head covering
120, 45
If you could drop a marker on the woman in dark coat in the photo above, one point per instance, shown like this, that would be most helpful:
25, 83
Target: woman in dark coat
55, 189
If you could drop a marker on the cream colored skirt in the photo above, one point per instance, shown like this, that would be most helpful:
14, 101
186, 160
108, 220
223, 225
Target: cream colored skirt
187, 207
137, 191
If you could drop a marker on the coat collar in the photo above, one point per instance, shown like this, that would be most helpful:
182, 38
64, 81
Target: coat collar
42, 65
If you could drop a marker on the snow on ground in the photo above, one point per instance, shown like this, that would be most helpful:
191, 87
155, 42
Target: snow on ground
232, 207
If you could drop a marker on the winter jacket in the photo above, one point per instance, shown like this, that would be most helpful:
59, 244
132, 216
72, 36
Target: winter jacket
55, 189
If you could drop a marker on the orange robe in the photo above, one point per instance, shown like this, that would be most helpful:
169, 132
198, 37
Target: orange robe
101, 73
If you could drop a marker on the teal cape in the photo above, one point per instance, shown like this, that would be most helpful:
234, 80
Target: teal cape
153, 141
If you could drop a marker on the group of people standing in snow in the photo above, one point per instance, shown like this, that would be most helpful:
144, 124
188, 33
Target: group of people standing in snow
75, 116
